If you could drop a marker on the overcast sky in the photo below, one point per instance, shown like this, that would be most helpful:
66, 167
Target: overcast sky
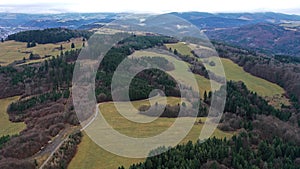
149, 6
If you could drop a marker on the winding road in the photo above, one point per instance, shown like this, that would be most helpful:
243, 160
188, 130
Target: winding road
61, 138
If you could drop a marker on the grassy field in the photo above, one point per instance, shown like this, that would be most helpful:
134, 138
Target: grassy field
236, 73
12, 50
270, 91
91, 156
6, 126
180, 72
259, 85
180, 47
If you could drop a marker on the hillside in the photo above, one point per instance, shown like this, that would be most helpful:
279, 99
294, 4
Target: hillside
265, 37
98, 156
13, 52
211, 21
245, 28
52, 137
53, 35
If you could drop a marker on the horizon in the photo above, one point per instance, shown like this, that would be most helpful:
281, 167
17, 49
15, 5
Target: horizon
71, 12
290, 7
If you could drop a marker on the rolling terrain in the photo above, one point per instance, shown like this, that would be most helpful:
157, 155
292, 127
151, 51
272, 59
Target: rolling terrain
265, 37
12, 51
90, 155
258, 108
84, 159
270, 91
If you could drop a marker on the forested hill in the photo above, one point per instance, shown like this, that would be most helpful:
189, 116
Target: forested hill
52, 35
237, 153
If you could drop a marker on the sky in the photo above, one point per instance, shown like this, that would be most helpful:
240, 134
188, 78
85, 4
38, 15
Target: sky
149, 6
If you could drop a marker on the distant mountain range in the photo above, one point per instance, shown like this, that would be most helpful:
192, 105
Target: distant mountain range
272, 33
266, 37
13, 23
228, 20
269, 32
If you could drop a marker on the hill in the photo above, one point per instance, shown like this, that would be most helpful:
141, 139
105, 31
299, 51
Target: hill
90, 155
15, 52
53, 35
266, 37
228, 20
47, 109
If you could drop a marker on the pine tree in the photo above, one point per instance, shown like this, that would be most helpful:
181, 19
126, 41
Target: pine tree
175, 52
31, 56
33, 44
205, 96
72, 45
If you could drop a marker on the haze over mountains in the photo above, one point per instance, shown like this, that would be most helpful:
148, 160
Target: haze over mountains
272, 33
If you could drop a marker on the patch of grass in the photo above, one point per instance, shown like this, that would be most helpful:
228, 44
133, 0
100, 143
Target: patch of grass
7, 127
12, 51
180, 70
271, 91
256, 84
181, 47
90, 155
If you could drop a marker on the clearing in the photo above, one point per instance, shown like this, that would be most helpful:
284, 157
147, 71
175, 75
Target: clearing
180, 70
270, 91
7, 127
91, 156
13, 51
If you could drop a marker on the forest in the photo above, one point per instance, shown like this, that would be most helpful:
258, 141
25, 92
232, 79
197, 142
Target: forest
240, 152
52, 35
46, 105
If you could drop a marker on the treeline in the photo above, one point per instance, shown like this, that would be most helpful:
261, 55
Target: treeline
239, 100
22, 105
172, 111
3, 140
247, 104
287, 59
240, 152
53, 35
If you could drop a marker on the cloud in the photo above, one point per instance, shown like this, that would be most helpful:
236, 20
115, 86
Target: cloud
34, 8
